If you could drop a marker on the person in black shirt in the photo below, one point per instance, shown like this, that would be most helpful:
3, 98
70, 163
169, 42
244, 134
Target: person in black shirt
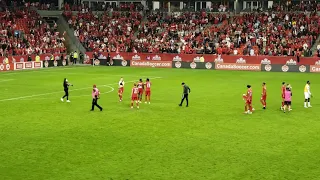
186, 91
66, 85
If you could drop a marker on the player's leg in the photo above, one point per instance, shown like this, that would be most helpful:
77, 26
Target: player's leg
250, 107
289, 106
282, 104
306, 97
120, 95
140, 98
261, 101
309, 104
182, 99
131, 103
245, 107
187, 99
149, 95
98, 105
93, 103
65, 95
137, 103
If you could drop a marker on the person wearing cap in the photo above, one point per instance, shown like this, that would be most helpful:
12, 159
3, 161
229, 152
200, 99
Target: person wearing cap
66, 85
186, 91
95, 97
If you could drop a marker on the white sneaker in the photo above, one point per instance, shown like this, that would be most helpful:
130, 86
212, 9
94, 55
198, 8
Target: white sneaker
138, 107
249, 112
290, 109
305, 107
145, 102
131, 107
310, 106
68, 101
62, 99
149, 102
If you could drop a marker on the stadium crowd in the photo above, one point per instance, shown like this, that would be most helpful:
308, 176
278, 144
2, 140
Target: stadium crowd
124, 29
24, 32
264, 33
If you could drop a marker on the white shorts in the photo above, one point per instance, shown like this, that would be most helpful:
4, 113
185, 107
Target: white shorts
306, 95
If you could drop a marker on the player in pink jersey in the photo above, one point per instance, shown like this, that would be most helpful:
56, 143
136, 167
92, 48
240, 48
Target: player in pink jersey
287, 100
148, 91
134, 96
95, 97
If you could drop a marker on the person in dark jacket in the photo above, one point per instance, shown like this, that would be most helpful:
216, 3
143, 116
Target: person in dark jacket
185, 95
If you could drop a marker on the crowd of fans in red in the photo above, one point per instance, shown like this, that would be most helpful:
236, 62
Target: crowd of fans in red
124, 29
264, 33
24, 32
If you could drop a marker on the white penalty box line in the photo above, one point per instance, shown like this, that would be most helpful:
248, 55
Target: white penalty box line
50, 93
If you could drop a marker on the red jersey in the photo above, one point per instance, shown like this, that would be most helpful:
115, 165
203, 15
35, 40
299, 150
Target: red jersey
264, 91
134, 92
249, 95
283, 90
140, 85
148, 86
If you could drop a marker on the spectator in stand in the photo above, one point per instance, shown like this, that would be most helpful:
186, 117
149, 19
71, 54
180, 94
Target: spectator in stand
23, 32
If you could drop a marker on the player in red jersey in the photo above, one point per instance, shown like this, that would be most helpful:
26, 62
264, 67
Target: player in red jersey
148, 91
244, 97
248, 108
134, 96
121, 88
263, 99
283, 90
140, 87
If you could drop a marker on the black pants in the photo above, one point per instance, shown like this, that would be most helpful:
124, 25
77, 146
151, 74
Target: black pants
74, 60
66, 94
95, 103
185, 97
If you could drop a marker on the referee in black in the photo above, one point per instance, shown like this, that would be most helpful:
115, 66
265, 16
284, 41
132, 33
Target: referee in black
66, 85
186, 91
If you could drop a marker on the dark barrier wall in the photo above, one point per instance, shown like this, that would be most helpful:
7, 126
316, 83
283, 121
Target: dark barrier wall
193, 65
103, 62
285, 68
55, 63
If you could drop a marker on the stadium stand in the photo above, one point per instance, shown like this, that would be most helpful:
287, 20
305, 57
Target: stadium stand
24, 32
256, 33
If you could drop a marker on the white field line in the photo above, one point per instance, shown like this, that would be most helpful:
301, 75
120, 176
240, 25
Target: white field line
37, 95
84, 95
49, 69
5, 80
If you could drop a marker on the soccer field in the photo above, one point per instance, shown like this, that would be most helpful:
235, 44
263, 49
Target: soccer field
43, 138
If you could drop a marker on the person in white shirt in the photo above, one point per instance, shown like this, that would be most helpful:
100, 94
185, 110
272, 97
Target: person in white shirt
251, 52
307, 95
121, 88
235, 52
305, 46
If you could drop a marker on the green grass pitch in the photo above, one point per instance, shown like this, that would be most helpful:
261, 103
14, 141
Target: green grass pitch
43, 138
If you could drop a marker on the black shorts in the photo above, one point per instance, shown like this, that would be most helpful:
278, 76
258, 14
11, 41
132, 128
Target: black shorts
288, 103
